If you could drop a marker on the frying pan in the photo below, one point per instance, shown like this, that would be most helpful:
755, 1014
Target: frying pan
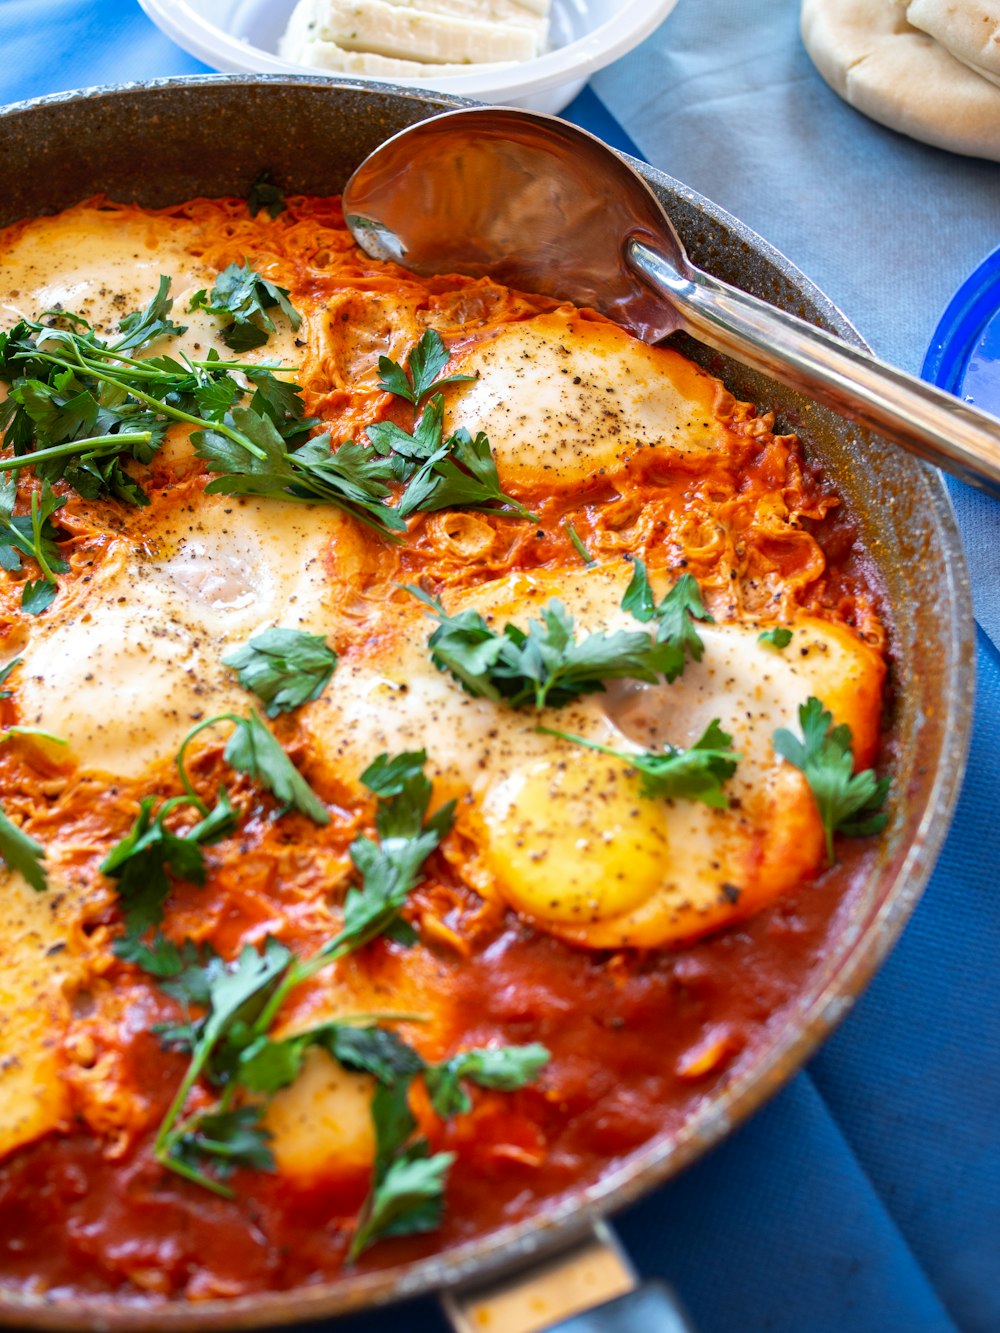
168, 140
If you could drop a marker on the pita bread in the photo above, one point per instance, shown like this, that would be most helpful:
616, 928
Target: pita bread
889, 70
969, 29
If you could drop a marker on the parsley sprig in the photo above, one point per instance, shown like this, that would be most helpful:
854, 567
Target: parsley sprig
139, 863
422, 372
78, 407
674, 617
697, 773
252, 749
407, 1191
34, 535
389, 869
848, 802
231, 1046
231, 1049
545, 666
234, 997
253, 458
438, 472
284, 668
242, 298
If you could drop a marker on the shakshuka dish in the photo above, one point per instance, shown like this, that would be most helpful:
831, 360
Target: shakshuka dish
439, 735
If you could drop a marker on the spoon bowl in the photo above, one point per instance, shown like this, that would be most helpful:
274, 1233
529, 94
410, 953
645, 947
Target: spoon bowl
538, 204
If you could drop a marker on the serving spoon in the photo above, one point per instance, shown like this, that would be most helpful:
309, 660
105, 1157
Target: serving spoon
540, 205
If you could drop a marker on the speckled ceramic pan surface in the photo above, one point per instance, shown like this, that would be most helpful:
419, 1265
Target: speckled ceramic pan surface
169, 140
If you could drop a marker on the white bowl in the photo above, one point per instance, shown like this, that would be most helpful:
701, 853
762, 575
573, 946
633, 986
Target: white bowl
586, 35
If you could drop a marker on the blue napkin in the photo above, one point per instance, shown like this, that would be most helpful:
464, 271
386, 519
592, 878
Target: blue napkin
866, 1197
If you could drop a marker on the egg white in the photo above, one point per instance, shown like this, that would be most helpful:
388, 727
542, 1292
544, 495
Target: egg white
562, 396
126, 665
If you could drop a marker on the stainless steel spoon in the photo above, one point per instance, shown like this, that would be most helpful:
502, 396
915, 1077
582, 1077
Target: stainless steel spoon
541, 205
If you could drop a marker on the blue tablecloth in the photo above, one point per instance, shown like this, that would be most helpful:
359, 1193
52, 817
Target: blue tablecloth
866, 1197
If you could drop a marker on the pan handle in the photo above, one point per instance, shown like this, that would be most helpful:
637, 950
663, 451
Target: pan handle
590, 1288
926, 421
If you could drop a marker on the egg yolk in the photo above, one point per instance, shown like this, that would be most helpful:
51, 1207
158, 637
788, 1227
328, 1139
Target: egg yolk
571, 840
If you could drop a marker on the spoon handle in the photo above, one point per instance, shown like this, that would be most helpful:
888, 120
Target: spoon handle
934, 425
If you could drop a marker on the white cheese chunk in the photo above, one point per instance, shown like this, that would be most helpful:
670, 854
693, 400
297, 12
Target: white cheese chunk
403, 31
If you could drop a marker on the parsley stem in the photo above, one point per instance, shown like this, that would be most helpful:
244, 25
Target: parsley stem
164, 409
36, 532
590, 745
167, 1135
302, 969
166, 1158
577, 541
95, 444
143, 370
296, 974
193, 796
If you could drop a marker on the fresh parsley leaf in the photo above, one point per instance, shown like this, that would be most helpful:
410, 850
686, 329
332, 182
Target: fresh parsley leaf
390, 868
143, 326
139, 863
37, 596
373, 1050
216, 397
265, 194
284, 668
505, 1068
407, 1200
95, 477
426, 361
34, 535
187, 974
243, 297
462, 475
407, 1194
255, 460
545, 667
236, 996
280, 401
160, 957
223, 1141
22, 853
251, 749
778, 637
5, 672
266, 1066
59, 411
848, 802
694, 774
674, 616
388, 776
